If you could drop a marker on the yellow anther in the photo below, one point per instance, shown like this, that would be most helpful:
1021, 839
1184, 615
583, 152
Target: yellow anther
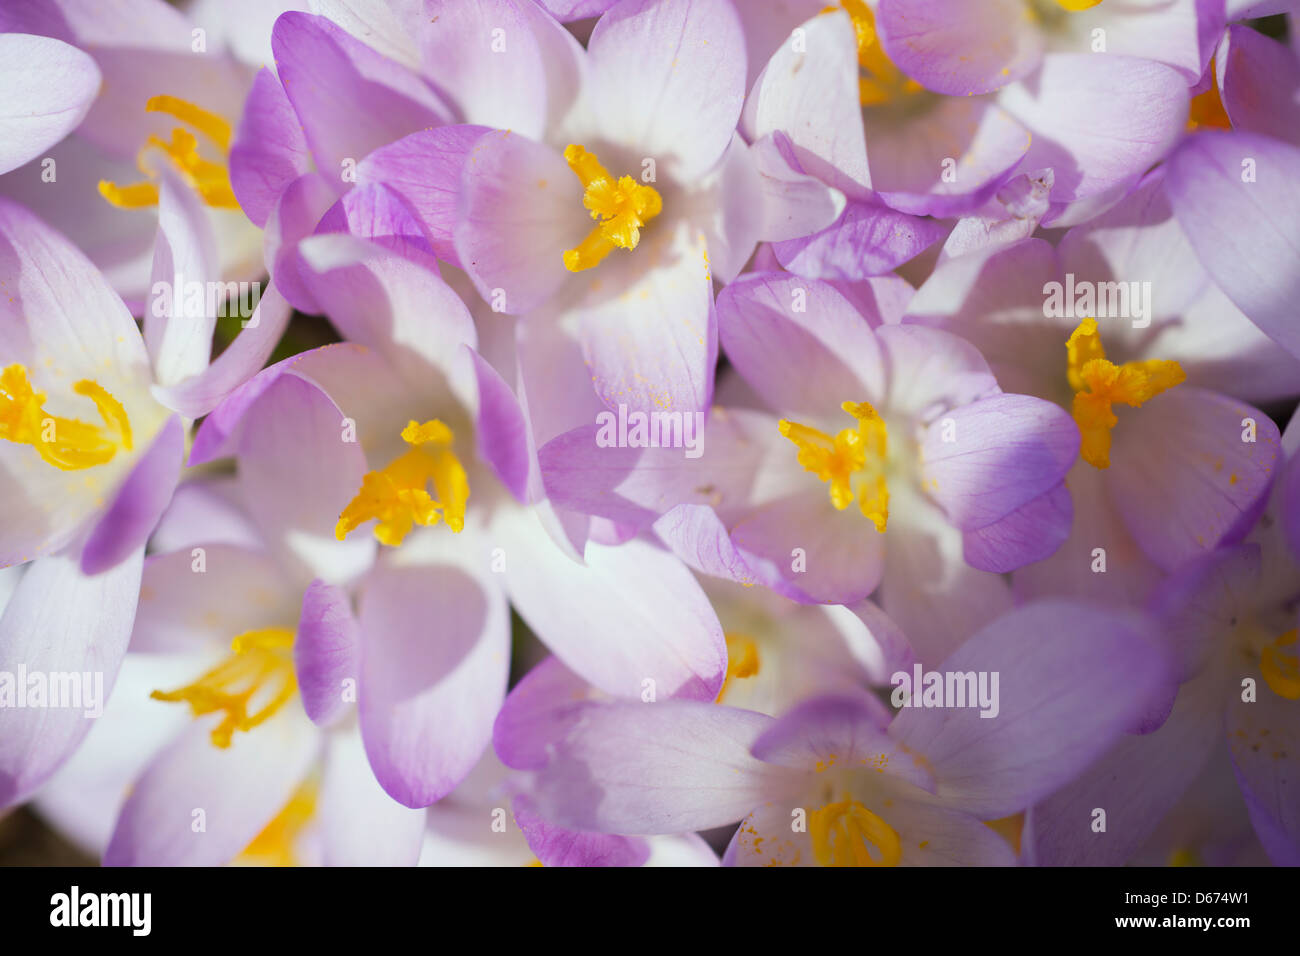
1206, 108
619, 206
880, 80
275, 845
846, 833
209, 178
853, 461
1077, 6
1280, 662
398, 497
65, 443
1099, 383
260, 666
742, 661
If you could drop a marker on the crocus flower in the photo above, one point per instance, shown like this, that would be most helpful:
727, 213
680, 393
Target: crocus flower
883, 457
48, 87
836, 781
1229, 617
408, 427
91, 417
168, 101
1120, 325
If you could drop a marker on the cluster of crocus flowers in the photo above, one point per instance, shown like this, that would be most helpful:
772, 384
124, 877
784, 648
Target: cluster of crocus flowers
947, 346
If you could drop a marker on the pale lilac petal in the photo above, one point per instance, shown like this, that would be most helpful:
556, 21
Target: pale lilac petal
1030, 533
557, 846
60, 620
375, 213
327, 652
360, 824
1072, 679
435, 652
794, 203
205, 510
294, 217
1261, 84
930, 371
1232, 193
500, 430
269, 150
649, 65
870, 239
48, 87
139, 503
538, 712
1264, 737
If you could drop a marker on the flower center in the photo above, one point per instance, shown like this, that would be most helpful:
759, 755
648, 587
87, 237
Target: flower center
619, 206
879, 81
1280, 662
1207, 107
65, 443
274, 846
1077, 6
260, 667
846, 833
209, 178
1098, 384
398, 497
853, 461
742, 661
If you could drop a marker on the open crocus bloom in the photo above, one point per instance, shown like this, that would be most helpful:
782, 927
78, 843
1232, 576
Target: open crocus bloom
894, 443
836, 782
91, 444
1171, 466
425, 470
167, 103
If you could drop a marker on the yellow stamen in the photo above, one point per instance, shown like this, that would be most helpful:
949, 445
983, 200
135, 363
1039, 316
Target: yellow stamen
853, 461
261, 664
1207, 107
619, 206
881, 81
844, 834
65, 443
398, 497
1077, 6
742, 661
211, 180
1009, 828
1282, 667
274, 846
1099, 384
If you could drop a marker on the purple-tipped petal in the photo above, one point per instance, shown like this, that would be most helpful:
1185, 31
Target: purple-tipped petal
269, 150
327, 652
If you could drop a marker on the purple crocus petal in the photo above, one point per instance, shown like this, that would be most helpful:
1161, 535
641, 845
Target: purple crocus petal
909, 159
205, 510
636, 358
635, 768
1231, 193
501, 432
667, 633
840, 733
1136, 782
800, 546
294, 422
1264, 738
794, 203
1183, 477
327, 652
957, 47
48, 87
1261, 84
1031, 533
185, 256
1290, 505
983, 461
428, 694
424, 168
197, 396
538, 712
60, 619
649, 61
567, 11
348, 98
1181, 34
203, 597
777, 329
520, 209
699, 537
295, 216
930, 371
505, 64
1097, 120
140, 501
1201, 602
360, 824
813, 99
557, 846
269, 150
240, 789
375, 213
868, 240
1072, 680
1249, 9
